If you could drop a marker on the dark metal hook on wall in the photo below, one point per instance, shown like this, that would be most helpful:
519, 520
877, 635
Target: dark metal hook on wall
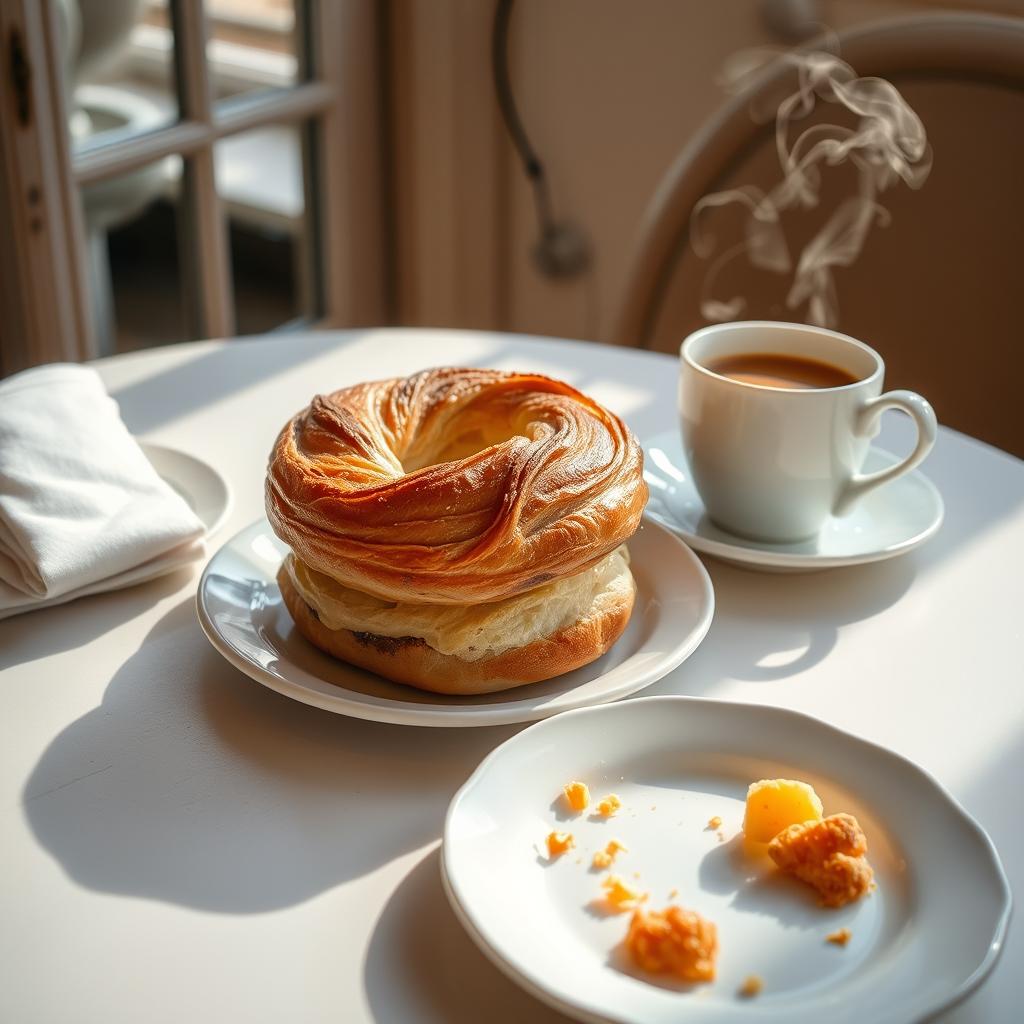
562, 250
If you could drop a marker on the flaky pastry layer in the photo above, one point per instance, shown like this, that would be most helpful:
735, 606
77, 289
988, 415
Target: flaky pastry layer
470, 632
454, 486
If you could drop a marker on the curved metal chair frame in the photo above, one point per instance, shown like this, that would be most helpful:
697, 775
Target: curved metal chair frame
982, 48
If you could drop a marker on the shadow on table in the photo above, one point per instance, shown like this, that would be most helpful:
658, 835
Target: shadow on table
775, 626
770, 626
443, 976
39, 634
215, 372
194, 785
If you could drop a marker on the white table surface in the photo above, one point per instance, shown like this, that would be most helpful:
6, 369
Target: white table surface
178, 843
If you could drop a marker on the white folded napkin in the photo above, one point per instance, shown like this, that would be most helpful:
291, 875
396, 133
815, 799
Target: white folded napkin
81, 507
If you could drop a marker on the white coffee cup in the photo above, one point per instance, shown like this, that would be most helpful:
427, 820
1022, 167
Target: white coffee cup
773, 463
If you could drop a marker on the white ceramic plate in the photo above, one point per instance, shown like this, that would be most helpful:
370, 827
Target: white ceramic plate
241, 611
927, 936
203, 488
889, 521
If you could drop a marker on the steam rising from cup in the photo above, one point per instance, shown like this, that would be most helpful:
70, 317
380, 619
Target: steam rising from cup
887, 145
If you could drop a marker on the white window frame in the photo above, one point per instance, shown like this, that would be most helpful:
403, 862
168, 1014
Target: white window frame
45, 306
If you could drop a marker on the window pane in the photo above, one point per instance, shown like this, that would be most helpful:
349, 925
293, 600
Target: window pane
261, 184
252, 46
119, 68
135, 278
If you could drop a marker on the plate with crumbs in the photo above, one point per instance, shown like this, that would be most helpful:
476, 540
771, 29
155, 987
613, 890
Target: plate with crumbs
925, 933
242, 613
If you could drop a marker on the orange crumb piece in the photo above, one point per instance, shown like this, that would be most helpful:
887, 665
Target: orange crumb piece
751, 986
673, 941
577, 796
609, 805
673, 894
603, 858
560, 842
840, 938
715, 822
620, 895
827, 854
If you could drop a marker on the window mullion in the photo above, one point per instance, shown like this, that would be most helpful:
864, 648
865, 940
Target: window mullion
205, 226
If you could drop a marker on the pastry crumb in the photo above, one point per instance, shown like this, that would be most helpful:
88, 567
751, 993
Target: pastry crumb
577, 796
673, 941
609, 805
673, 894
559, 843
752, 986
828, 855
620, 895
715, 822
604, 858
839, 938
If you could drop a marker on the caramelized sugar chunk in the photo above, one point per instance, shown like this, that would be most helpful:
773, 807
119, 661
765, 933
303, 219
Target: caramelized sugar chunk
559, 843
673, 941
775, 804
577, 796
827, 854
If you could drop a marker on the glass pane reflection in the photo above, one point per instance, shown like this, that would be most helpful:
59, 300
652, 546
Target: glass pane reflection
134, 263
252, 46
260, 181
118, 68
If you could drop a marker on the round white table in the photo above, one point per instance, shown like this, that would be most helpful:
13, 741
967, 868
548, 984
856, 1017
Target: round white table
181, 844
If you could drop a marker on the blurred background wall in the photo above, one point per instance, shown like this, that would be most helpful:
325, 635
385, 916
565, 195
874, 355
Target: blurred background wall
610, 92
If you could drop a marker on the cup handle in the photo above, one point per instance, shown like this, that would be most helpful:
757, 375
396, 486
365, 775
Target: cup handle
920, 411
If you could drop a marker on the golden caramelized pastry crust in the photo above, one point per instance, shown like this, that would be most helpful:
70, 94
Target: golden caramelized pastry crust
827, 854
454, 486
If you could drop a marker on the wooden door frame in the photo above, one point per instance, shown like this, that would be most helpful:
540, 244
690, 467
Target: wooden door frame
46, 314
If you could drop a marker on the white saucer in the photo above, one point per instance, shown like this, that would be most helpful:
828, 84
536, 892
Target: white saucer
925, 938
241, 611
889, 521
205, 491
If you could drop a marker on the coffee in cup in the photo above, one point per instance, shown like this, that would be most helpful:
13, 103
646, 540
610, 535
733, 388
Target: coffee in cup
776, 421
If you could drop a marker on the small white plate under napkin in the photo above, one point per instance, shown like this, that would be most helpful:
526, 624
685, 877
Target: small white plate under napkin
205, 491
241, 611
